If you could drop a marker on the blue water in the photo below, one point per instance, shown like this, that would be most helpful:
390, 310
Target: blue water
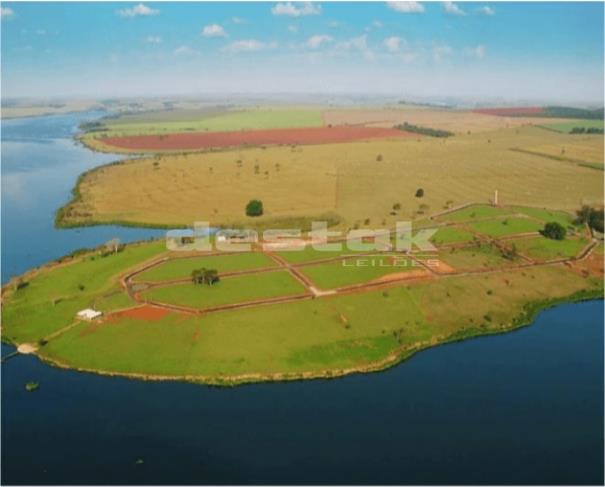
40, 165
524, 407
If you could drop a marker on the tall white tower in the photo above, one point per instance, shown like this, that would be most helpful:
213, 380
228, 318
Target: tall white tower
496, 198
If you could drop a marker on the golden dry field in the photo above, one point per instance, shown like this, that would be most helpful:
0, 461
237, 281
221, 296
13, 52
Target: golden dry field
456, 121
358, 181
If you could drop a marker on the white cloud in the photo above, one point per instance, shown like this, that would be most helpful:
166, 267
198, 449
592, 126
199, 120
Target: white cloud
248, 45
213, 30
183, 51
452, 8
441, 51
334, 24
359, 44
6, 13
406, 7
238, 20
316, 41
485, 10
293, 28
137, 10
393, 44
477, 52
153, 39
298, 9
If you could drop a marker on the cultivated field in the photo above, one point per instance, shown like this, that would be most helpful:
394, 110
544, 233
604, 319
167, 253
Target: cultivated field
213, 120
360, 182
217, 140
457, 121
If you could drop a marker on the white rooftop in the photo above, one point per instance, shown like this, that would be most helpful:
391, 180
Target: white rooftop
89, 314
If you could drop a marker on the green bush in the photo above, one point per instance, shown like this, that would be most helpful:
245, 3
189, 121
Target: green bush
554, 230
254, 208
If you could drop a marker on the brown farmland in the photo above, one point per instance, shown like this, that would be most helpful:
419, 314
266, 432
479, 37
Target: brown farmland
208, 140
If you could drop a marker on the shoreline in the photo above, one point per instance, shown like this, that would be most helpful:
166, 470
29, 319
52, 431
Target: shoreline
526, 318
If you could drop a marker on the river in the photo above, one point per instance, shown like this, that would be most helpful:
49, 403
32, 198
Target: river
523, 407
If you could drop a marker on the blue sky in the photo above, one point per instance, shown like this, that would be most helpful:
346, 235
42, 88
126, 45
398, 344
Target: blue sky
551, 51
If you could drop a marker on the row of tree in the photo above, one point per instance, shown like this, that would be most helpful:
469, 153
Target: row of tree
586, 130
408, 127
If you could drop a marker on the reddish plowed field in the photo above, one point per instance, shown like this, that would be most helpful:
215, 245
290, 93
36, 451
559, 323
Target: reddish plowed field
511, 112
146, 312
207, 140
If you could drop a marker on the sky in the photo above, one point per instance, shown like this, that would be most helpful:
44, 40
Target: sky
516, 51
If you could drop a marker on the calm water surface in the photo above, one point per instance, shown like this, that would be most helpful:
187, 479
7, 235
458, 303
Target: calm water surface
524, 407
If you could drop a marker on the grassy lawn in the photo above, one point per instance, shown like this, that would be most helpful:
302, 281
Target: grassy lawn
52, 298
451, 235
331, 333
229, 290
542, 249
503, 227
182, 267
254, 119
475, 212
309, 254
564, 218
356, 270
566, 127
476, 257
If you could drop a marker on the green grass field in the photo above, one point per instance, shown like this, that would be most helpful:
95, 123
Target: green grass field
323, 335
566, 127
308, 254
544, 249
181, 268
564, 218
252, 119
503, 227
228, 290
52, 298
451, 235
477, 257
317, 335
475, 212
356, 270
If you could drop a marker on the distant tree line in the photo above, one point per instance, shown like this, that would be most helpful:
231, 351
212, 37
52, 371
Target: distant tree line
92, 127
586, 130
570, 112
408, 127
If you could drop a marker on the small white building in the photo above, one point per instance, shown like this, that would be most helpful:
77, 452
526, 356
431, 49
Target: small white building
89, 314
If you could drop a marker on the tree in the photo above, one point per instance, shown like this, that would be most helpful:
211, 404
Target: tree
554, 231
204, 276
254, 208
593, 217
419, 193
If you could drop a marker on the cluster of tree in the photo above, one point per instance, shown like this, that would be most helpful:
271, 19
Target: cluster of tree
254, 208
204, 276
408, 127
593, 217
554, 231
586, 130
92, 127
570, 112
